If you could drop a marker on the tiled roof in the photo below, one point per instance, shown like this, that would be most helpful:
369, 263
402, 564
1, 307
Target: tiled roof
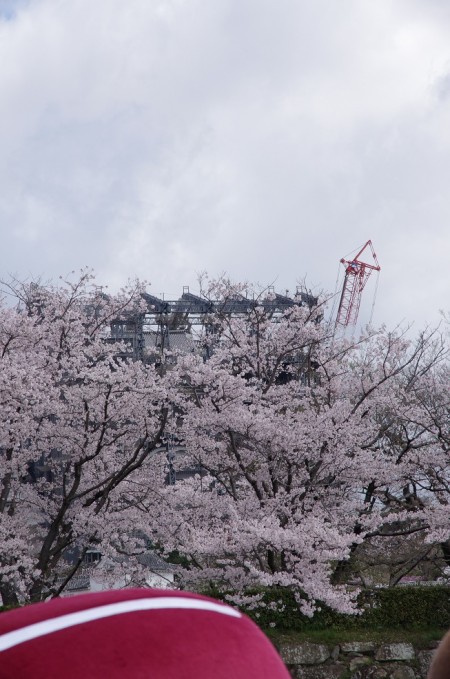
154, 562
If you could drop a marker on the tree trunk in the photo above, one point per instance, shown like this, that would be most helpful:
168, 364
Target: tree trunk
9, 596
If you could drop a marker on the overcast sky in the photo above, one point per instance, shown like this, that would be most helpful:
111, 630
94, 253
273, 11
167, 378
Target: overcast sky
262, 138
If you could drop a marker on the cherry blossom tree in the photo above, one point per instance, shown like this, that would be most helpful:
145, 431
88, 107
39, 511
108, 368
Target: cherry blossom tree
420, 441
413, 436
299, 448
301, 441
78, 421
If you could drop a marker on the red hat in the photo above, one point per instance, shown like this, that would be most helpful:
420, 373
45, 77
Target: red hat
134, 634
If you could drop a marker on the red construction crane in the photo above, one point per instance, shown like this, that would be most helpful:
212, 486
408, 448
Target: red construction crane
357, 274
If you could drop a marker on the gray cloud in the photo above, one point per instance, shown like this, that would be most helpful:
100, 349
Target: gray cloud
163, 138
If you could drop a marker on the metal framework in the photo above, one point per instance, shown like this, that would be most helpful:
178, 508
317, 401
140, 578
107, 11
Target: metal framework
165, 319
194, 308
357, 273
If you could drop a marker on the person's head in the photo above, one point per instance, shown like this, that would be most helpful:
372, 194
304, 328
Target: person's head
134, 634
440, 666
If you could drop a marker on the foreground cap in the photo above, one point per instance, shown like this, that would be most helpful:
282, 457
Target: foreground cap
134, 634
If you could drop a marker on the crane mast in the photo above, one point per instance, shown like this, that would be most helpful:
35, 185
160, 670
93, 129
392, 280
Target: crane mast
357, 273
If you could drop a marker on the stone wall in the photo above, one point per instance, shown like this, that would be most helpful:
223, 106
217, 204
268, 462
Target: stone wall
357, 660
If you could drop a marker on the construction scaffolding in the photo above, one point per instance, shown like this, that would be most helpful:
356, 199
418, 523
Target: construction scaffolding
166, 325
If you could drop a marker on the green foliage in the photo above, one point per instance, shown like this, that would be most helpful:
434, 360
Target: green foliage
395, 608
425, 638
410, 607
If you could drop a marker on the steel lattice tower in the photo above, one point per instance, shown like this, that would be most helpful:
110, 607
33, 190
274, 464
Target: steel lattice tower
357, 274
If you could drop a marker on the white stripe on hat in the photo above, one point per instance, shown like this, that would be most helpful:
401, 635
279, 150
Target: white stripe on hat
39, 629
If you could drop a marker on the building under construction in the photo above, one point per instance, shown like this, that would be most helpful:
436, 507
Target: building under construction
170, 325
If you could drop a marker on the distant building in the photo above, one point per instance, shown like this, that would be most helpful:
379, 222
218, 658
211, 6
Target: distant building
158, 573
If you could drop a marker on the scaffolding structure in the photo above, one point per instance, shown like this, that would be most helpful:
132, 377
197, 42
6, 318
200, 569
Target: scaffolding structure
167, 324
